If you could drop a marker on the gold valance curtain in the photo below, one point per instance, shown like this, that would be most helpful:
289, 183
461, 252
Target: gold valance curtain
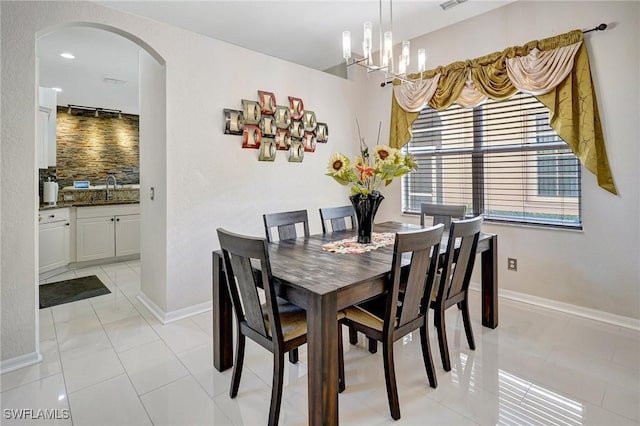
555, 70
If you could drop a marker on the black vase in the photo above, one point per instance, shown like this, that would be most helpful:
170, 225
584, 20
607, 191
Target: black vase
366, 207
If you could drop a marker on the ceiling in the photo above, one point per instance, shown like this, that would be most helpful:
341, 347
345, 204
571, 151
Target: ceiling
304, 32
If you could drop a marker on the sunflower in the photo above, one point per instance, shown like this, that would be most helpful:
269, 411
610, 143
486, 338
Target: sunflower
338, 163
385, 153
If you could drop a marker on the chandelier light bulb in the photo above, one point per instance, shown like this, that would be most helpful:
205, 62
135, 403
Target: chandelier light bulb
422, 60
406, 52
402, 65
367, 43
346, 45
387, 56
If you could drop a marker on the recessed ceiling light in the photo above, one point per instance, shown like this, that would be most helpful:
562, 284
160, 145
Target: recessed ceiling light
57, 89
67, 55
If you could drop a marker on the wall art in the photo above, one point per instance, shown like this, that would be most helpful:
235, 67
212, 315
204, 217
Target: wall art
269, 127
267, 102
233, 122
251, 111
296, 152
251, 136
322, 133
267, 150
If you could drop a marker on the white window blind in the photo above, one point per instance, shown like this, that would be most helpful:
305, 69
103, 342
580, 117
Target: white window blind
500, 159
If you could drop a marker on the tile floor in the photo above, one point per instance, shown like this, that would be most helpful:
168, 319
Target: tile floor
108, 361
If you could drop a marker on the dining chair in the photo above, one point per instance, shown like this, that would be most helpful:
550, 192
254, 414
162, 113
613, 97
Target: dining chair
286, 224
452, 283
337, 217
390, 317
441, 213
277, 325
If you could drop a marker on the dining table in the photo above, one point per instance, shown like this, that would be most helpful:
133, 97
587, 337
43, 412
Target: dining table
323, 282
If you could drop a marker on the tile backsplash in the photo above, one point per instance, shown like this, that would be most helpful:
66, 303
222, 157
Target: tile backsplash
90, 148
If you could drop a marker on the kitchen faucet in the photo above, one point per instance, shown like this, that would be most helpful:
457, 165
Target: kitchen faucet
110, 177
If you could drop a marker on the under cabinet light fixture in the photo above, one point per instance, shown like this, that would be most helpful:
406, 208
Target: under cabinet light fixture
96, 109
67, 55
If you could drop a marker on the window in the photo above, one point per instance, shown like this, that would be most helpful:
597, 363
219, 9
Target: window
500, 159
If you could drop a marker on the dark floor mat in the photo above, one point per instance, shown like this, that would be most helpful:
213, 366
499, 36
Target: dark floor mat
71, 290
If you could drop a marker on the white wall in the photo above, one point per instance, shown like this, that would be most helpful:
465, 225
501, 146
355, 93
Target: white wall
153, 166
210, 180
597, 268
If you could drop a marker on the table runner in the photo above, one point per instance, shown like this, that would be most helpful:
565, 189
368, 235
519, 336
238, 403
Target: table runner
351, 246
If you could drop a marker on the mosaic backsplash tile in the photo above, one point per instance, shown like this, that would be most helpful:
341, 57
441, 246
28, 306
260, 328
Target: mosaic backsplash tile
90, 148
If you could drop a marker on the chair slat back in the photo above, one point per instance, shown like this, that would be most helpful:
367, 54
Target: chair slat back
459, 258
441, 213
337, 216
286, 224
238, 251
423, 247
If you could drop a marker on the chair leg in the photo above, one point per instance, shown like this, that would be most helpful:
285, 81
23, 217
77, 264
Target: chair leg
237, 366
276, 391
373, 345
293, 356
442, 339
426, 355
390, 379
353, 335
467, 324
341, 382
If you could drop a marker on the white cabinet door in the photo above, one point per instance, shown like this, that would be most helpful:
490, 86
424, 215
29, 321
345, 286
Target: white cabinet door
46, 131
95, 238
54, 245
127, 235
42, 138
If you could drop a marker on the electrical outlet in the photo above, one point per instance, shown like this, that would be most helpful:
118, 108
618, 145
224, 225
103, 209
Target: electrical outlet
512, 264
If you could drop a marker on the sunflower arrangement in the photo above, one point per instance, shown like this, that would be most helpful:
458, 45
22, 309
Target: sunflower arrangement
366, 174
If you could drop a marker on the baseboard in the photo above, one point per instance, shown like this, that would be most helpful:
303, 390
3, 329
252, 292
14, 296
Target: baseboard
567, 308
21, 361
171, 316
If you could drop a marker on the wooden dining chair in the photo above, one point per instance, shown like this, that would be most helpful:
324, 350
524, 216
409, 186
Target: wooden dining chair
277, 325
337, 216
441, 213
452, 284
390, 317
286, 224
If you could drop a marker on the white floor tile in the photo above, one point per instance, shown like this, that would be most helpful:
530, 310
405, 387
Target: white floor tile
88, 366
183, 402
151, 366
112, 402
182, 335
130, 332
47, 394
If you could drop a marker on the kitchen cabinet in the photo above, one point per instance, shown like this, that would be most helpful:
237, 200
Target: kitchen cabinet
54, 239
107, 231
46, 128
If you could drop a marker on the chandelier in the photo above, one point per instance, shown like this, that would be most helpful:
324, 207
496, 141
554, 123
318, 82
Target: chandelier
386, 56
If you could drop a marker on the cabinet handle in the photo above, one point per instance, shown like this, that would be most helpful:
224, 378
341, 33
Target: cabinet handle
68, 224
111, 219
118, 220
51, 216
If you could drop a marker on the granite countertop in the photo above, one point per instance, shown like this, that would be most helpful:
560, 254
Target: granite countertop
87, 204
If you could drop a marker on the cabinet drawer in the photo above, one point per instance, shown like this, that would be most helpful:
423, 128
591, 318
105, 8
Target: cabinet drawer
53, 215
